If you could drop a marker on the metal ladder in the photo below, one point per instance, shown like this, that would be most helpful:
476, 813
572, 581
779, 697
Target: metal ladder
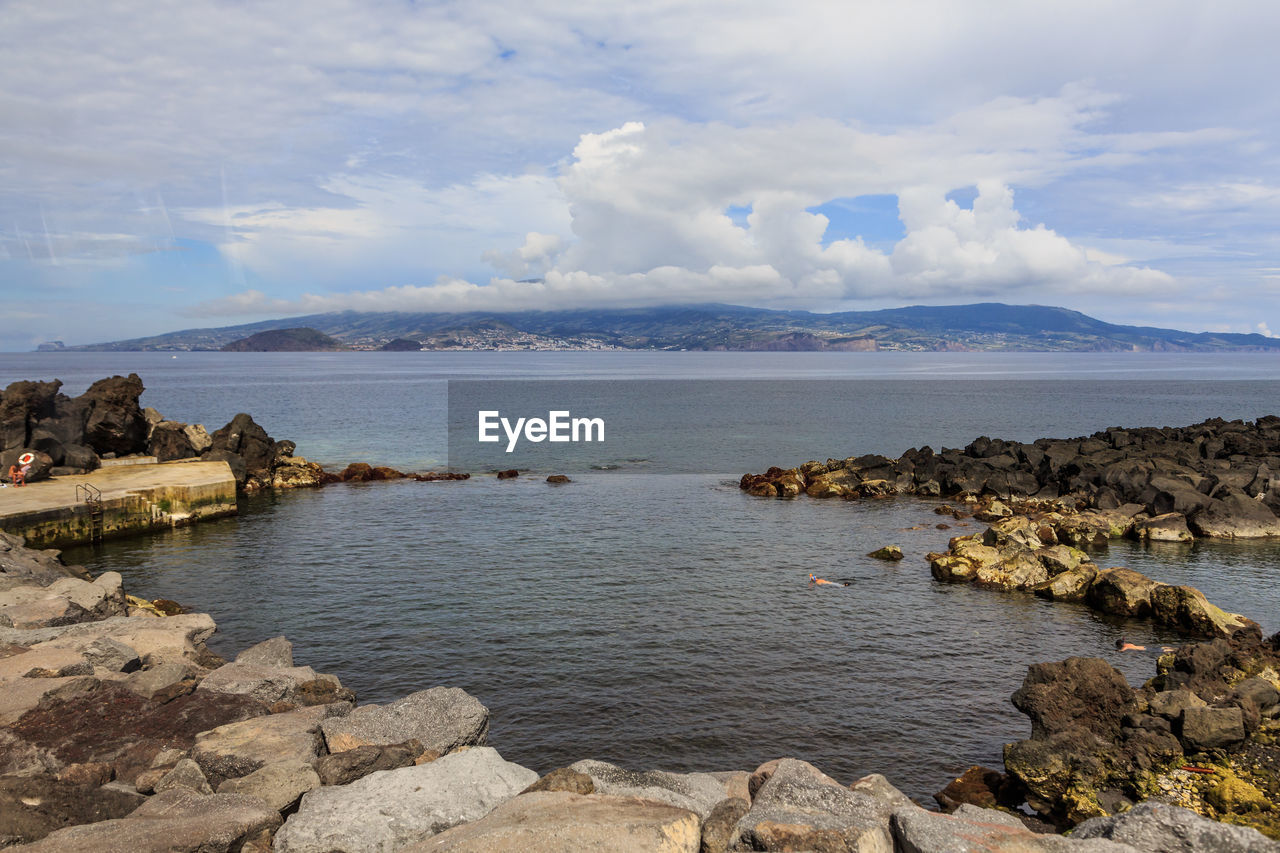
92, 498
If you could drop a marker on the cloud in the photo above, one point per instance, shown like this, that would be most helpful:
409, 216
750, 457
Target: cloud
647, 208
386, 147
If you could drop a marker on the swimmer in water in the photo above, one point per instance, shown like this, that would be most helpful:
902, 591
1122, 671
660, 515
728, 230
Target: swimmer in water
817, 581
1124, 645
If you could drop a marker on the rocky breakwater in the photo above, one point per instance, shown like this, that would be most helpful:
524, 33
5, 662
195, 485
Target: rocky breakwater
1218, 479
72, 435
1044, 547
121, 731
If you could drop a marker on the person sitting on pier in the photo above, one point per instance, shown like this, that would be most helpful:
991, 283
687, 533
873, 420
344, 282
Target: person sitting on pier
17, 476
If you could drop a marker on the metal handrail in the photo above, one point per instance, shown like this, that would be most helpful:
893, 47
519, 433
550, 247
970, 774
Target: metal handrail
92, 494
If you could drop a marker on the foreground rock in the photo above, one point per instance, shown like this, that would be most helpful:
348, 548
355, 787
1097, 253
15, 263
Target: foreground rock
441, 719
1098, 746
801, 808
393, 808
1157, 826
559, 822
176, 821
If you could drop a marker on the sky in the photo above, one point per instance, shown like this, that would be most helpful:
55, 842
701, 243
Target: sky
171, 165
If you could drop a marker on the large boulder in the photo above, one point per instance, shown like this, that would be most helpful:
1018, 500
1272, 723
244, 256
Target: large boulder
243, 747
1075, 693
1235, 516
1170, 527
114, 422
267, 684
442, 719
176, 821
972, 830
38, 467
1208, 728
247, 440
1187, 609
169, 440
342, 768
21, 405
281, 785
563, 822
394, 808
697, 792
801, 808
1169, 829
1121, 592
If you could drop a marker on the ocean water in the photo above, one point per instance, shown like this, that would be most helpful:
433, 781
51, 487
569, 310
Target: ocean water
652, 614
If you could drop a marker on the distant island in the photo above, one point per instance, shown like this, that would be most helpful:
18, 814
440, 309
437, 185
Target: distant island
989, 326
286, 340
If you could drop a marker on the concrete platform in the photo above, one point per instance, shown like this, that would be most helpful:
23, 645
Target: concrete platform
134, 498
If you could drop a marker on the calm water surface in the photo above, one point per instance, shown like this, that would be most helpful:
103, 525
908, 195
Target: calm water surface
663, 620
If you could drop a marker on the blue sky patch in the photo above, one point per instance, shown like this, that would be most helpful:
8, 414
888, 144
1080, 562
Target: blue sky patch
874, 218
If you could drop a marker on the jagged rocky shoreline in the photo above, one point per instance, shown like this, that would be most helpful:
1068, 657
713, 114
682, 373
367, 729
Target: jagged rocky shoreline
1204, 731
72, 435
120, 730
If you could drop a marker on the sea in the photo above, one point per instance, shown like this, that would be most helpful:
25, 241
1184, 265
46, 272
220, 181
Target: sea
649, 613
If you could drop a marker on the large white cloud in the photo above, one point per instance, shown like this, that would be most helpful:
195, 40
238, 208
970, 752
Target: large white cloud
352, 146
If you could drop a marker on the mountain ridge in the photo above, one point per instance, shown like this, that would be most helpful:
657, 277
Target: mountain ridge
982, 326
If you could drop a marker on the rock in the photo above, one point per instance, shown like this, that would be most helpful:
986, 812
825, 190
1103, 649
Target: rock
281, 785
38, 468
163, 681
973, 830
342, 768
1260, 691
1186, 608
558, 479
1061, 558
564, 779
173, 638
238, 749
1235, 516
1152, 826
888, 552
1170, 527
800, 808
1234, 795
31, 807
1070, 585
93, 774
561, 822
245, 438
294, 472
721, 825
1077, 692
1121, 592
276, 652
169, 440
185, 774
977, 786
442, 719
111, 724
267, 684
697, 792
1171, 703
390, 809
114, 422
1206, 728
509, 474
176, 821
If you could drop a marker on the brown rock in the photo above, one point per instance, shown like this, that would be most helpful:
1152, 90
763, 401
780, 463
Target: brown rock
563, 779
342, 768
31, 807
559, 821
1122, 592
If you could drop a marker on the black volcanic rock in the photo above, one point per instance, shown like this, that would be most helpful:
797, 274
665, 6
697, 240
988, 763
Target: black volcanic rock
286, 340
